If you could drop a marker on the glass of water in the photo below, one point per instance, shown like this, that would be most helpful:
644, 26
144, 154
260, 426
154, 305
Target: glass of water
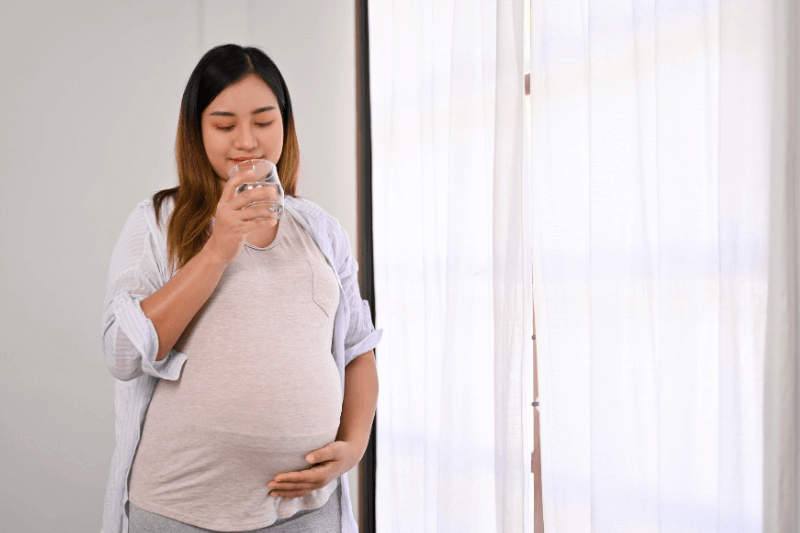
262, 174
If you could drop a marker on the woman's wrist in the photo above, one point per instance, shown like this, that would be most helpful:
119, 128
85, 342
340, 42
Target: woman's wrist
357, 449
212, 256
353, 456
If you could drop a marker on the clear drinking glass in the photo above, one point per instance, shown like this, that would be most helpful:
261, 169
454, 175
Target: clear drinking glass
263, 174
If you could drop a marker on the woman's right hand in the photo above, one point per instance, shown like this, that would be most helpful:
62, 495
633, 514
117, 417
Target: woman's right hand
232, 221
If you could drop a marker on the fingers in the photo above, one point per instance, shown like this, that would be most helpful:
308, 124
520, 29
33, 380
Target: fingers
335, 451
290, 493
260, 210
290, 485
326, 463
229, 191
302, 483
315, 474
255, 194
293, 490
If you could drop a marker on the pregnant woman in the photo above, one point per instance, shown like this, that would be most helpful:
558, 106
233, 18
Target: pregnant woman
243, 354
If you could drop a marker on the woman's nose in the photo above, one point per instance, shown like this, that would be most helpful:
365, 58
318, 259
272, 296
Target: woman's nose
245, 140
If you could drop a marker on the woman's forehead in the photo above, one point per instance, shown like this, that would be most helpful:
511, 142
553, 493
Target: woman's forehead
249, 95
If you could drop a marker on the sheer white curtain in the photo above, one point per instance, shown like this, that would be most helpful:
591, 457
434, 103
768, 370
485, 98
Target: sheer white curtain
452, 266
663, 201
654, 130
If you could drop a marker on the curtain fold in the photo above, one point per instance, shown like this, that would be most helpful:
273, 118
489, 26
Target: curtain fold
452, 266
650, 146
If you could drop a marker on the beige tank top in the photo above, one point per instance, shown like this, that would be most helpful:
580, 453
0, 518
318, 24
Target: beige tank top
258, 392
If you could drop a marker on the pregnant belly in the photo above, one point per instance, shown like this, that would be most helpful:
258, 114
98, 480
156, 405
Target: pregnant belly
196, 468
213, 439
281, 393
266, 403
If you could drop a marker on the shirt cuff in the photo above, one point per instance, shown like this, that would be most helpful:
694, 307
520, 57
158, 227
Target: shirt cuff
142, 333
367, 344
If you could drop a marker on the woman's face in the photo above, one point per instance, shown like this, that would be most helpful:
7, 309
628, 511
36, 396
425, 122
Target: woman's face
242, 122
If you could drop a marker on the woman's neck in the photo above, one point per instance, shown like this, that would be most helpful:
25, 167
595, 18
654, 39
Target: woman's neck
263, 237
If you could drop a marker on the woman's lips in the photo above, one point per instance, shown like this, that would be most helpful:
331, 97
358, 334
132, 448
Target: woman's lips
244, 159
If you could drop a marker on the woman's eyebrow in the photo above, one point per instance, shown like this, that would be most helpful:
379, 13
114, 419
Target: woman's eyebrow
257, 111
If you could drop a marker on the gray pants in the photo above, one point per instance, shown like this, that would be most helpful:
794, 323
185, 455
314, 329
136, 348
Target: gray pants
326, 519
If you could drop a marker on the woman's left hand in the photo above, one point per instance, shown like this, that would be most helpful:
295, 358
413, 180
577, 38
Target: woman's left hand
329, 463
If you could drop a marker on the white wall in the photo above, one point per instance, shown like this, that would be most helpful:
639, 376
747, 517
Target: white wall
90, 92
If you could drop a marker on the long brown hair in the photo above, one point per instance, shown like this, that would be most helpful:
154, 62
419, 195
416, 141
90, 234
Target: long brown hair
199, 188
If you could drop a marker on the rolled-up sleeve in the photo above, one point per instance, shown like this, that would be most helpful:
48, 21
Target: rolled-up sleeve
361, 334
130, 341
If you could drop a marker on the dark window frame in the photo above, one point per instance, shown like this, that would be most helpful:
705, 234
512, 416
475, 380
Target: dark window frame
366, 467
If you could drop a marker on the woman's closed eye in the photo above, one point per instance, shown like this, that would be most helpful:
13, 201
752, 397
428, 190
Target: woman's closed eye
259, 124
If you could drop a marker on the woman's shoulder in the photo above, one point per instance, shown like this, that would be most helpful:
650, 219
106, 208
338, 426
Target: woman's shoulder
313, 214
323, 224
305, 206
147, 209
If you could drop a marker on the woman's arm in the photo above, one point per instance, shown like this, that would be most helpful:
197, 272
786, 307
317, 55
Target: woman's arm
359, 403
144, 317
173, 306
130, 342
